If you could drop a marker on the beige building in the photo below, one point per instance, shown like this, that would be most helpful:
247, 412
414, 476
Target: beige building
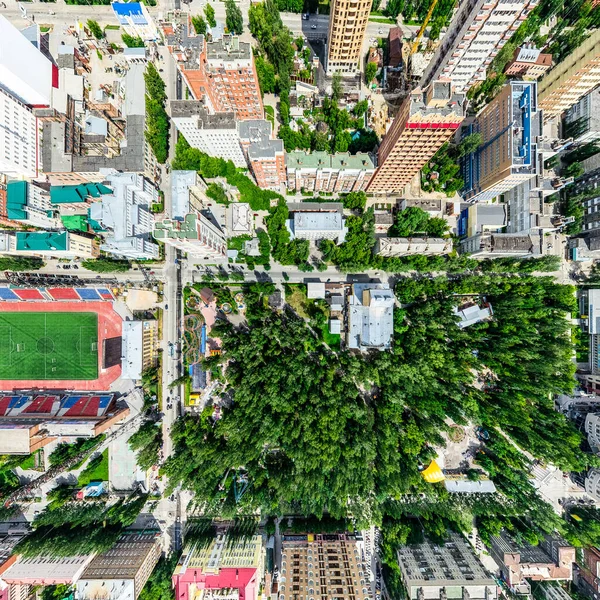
121, 572
528, 63
427, 119
323, 566
323, 172
347, 26
425, 246
573, 78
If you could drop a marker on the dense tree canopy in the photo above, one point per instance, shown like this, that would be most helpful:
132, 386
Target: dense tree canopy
311, 430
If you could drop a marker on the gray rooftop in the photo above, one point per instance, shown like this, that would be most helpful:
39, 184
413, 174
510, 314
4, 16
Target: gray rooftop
181, 182
370, 316
254, 130
318, 221
229, 47
265, 149
196, 108
323, 160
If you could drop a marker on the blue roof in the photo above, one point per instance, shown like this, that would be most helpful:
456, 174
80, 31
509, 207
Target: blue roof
129, 10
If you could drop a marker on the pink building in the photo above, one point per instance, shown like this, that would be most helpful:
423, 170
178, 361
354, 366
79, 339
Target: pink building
223, 570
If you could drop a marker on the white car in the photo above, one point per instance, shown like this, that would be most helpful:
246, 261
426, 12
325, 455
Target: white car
380, 31
313, 26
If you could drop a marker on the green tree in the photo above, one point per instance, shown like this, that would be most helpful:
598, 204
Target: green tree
106, 265
266, 75
234, 19
336, 86
199, 24
146, 442
574, 170
131, 41
95, 29
157, 120
20, 263
209, 11
370, 72
355, 200
469, 144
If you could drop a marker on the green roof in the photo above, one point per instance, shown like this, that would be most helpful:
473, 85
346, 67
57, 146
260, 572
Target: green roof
16, 200
75, 222
169, 228
42, 241
64, 194
323, 160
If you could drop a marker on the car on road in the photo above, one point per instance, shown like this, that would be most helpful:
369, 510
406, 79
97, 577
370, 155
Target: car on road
166, 306
380, 31
313, 26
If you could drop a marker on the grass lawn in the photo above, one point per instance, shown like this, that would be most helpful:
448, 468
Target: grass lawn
382, 20
331, 339
297, 298
48, 346
113, 27
97, 470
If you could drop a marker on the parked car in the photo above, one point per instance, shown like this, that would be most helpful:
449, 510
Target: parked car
313, 26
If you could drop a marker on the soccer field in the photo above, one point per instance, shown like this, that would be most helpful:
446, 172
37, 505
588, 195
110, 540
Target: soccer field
55, 345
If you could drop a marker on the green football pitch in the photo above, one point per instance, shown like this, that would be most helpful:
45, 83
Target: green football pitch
54, 345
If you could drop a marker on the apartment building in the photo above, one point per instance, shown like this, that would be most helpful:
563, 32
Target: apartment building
318, 221
323, 566
121, 572
370, 317
509, 126
431, 570
425, 246
589, 576
56, 244
267, 163
213, 134
498, 245
426, 120
552, 560
347, 25
124, 216
224, 568
573, 78
582, 120
323, 172
220, 73
198, 235
477, 32
589, 309
528, 63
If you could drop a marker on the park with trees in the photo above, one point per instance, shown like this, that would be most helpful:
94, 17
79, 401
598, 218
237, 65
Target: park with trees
157, 120
317, 431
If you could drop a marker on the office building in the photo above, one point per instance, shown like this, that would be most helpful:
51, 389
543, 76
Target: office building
426, 120
121, 572
197, 235
225, 568
324, 172
551, 560
19, 137
573, 78
49, 244
340, 569
214, 134
589, 309
528, 63
511, 245
582, 120
221, 73
477, 32
508, 155
42, 570
347, 25
479, 218
526, 210
370, 317
135, 20
317, 221
386, 246
25, 73
125, 218
592, 429
430, 570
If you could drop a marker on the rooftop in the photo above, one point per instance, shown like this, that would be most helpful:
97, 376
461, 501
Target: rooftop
197, 108
42, 241
229, 47
323, 160
370, 316
254, 130
265, 149
318, 221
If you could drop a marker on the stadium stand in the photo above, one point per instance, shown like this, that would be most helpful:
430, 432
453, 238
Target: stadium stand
8, 402
7, 294
42, 405
55, 406
87, 294
105, 294
29, 294
63, 293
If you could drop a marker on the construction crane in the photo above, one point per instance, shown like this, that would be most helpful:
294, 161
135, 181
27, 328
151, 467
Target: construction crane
415, 45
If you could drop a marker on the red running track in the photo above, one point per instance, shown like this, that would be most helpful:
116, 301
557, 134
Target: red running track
110, 325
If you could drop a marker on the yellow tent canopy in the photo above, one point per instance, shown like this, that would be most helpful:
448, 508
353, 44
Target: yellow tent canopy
433, 473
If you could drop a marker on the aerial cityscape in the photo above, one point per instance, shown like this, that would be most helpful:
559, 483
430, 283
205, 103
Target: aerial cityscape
300, 300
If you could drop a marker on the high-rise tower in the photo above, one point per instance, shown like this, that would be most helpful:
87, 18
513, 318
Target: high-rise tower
347, 26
